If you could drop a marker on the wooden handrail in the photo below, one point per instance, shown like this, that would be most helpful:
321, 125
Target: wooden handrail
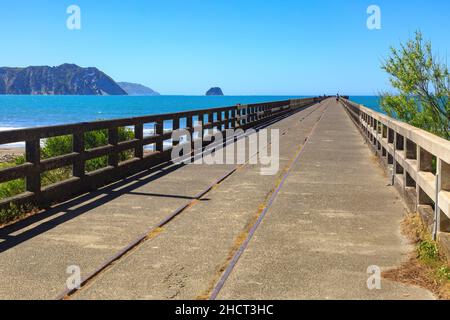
223, 118
419, 160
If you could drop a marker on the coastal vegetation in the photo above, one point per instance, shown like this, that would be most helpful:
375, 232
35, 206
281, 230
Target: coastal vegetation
54, 147
427, 266
422, 82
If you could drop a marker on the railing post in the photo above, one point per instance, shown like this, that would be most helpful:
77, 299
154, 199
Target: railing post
139, 135
443, 171
242, 111
33, 155
400, 146
113, 139
226, 118
376, 137
78, 147
235, 113
202, 123
159, 130
210, 122
437, 209
394, 158
175, 127
219, 119
190, 126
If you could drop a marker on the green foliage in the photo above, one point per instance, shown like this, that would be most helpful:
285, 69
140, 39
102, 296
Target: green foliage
57, 146
53, 147
56, 175
443, 273
13, 212
423, 85
4, 165
94, 139
11, 188
428, 251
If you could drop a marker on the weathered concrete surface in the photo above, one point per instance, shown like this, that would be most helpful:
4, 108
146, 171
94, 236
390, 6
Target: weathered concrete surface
186, 259
334, 217
87, 231
415, 152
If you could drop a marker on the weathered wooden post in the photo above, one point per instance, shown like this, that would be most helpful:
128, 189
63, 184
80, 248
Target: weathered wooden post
33, 156
113, 139
159, 130
78, 147
175, 127
139, 135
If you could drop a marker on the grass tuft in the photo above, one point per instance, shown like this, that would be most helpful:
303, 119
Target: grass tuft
428, 268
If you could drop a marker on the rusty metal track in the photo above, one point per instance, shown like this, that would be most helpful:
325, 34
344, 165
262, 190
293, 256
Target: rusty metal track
154, 231
262, 215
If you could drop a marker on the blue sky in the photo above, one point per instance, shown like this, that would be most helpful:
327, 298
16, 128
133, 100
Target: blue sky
247, 47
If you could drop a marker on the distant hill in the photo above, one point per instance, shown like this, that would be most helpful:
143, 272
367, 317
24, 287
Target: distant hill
135, 89
216, 91
66, 79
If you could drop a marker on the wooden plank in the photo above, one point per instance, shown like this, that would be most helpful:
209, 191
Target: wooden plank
17, 172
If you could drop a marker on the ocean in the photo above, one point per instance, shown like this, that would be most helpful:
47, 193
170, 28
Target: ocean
35, 111
372, 102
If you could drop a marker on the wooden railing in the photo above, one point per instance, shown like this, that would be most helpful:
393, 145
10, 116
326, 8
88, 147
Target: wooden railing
233, 117
418, 160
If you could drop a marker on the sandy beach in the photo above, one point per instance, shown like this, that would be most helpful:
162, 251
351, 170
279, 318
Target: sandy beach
9, 154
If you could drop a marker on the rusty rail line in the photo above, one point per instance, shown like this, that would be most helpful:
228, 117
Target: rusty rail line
81, 181
238, 253
153, 231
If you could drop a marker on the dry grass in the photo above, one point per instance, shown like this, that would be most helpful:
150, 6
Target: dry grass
426, 267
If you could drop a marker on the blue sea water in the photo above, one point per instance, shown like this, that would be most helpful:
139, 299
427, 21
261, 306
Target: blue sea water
372, 102
33, 111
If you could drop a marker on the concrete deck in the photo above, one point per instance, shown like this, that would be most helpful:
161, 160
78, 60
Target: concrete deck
332, 219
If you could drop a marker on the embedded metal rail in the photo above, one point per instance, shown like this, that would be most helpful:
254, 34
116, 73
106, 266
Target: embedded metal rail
237, 255
153, 231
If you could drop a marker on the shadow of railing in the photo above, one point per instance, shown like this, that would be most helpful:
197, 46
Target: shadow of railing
69, 210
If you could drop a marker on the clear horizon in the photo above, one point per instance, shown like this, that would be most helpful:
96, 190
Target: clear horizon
252, 48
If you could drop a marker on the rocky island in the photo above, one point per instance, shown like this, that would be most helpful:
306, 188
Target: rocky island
216, 91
